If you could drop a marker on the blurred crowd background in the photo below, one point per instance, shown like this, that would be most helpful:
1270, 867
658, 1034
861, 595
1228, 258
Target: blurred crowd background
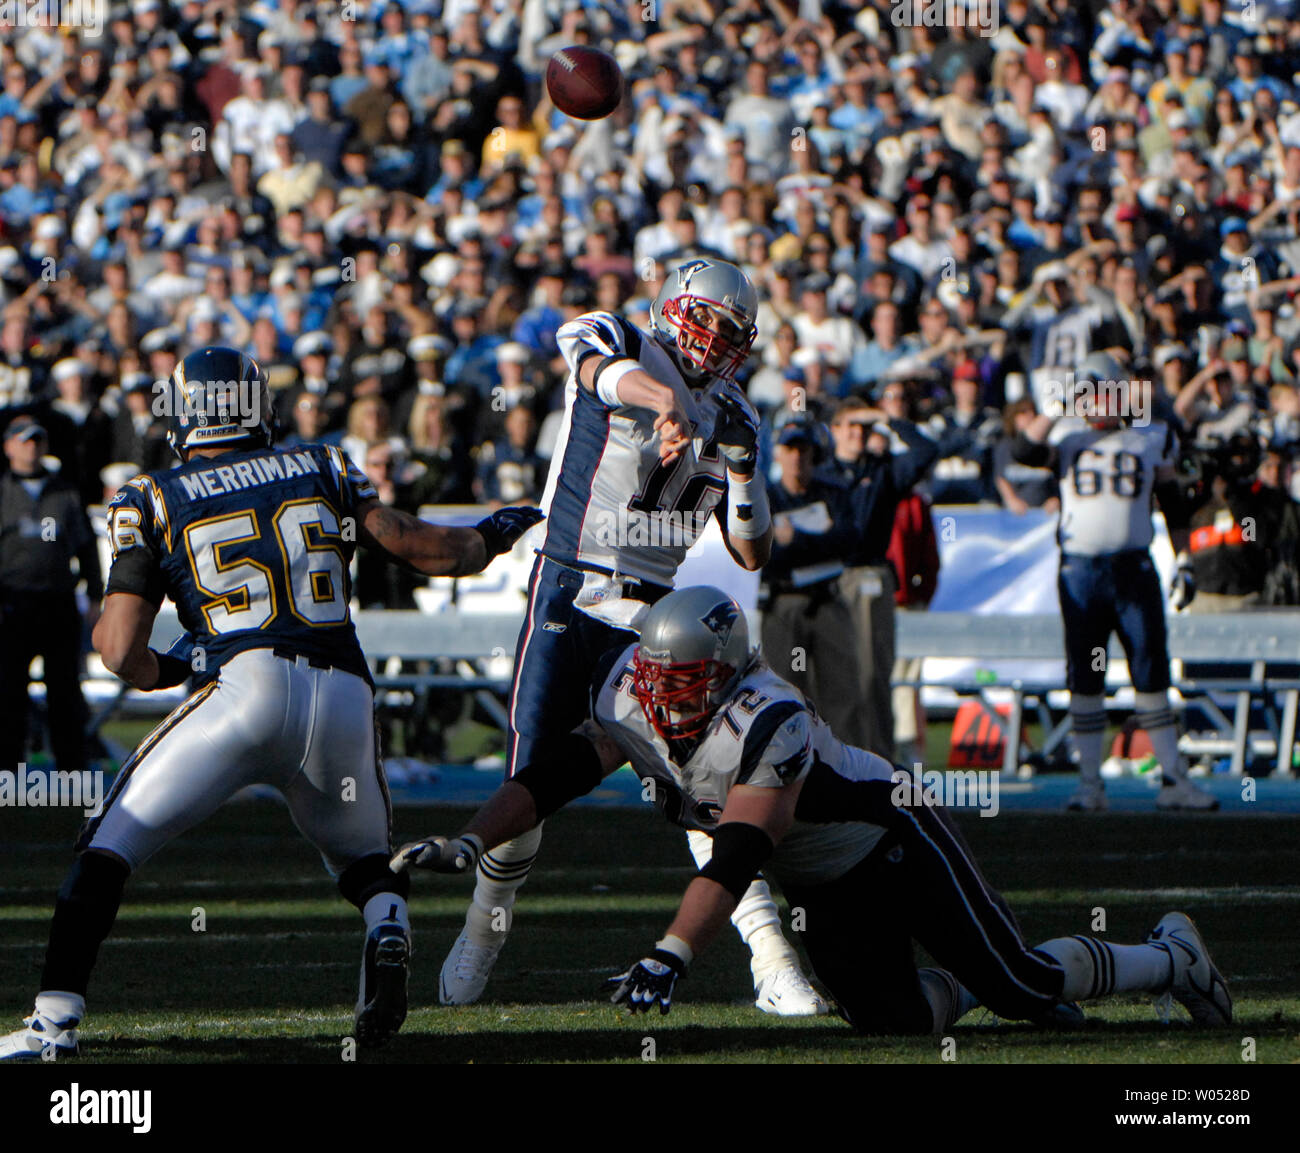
380, 204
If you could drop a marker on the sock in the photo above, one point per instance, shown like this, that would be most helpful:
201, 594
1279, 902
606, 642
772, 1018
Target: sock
83, 916
949, 1000
501, 872
384, 907
1088, 731
1096, 968
65, 1008
1156, 717
757, 919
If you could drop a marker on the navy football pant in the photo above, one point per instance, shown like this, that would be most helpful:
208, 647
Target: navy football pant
555, 661
919, 885
1119, 594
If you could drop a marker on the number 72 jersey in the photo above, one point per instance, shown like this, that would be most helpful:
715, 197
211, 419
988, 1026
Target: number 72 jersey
1107, 480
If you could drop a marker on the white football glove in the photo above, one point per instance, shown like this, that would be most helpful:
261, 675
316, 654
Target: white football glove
439, 855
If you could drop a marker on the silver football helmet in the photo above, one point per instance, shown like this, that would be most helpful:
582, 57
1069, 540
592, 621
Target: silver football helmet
705, 316
694, 649
1101, 390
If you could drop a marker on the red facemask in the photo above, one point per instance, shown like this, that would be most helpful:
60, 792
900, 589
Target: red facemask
720, 353
663, 690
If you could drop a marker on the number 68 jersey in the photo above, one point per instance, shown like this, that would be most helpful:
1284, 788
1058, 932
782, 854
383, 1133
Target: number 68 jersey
253, 546
766, 735
1107, 480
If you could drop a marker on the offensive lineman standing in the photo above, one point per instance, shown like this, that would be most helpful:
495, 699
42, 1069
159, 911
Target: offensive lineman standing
253, 546
1109, 471
657, 437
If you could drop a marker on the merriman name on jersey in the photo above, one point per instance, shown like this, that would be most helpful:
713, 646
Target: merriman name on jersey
247, 474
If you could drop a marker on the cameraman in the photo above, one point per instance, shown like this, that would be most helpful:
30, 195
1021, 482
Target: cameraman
1240, 533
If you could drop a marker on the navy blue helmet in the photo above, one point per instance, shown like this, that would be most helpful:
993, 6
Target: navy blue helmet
218, 396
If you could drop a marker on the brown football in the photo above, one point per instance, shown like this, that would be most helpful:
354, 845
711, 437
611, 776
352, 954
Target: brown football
584, 82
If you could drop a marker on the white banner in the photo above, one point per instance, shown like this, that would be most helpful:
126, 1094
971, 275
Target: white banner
995, 562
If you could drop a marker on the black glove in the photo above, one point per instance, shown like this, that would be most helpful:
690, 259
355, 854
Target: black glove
736, 429
505, 526
651, 979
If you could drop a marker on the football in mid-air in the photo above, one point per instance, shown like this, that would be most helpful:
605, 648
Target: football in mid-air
584, 82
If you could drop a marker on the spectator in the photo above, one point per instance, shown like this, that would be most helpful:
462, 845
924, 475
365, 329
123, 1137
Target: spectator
1021, 486
965, 432
43, 531
877, 479
807, 628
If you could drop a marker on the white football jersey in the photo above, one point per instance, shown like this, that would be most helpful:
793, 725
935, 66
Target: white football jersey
767, 735
1107, 479
610, 504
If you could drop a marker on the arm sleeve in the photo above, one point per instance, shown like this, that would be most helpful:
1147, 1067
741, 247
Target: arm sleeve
137, 564
354, 487
778, 747
602, 333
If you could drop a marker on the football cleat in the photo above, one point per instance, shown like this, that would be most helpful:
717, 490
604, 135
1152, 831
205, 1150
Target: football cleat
469, 964
381, 1005
41, 1038
1196, 985
1089, 797
788, 993
1182, 794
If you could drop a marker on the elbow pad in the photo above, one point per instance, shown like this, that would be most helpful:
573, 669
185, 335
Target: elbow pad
739, 851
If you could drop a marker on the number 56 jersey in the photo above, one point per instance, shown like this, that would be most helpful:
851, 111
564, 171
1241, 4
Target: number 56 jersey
765, 735
253, 546
1107, 480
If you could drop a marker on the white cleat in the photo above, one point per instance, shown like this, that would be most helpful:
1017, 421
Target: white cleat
467, 968
1182, 794
1197, 985
42, 1038
1089, 797
787, 993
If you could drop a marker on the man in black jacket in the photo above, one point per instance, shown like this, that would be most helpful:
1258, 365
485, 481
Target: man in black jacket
43, 528
807, 628
877, 479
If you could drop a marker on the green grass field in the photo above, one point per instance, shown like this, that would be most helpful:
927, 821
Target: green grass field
272, 977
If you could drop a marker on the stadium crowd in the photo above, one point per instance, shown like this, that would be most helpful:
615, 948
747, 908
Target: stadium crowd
379, 203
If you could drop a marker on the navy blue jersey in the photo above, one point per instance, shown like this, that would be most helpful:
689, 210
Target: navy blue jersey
253, 547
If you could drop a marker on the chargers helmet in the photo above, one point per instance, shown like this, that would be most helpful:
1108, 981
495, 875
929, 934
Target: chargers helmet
218, 396
705, 317
694, 649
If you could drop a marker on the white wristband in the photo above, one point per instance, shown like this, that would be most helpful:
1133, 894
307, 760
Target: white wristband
677, 947
607, 384
748, 516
